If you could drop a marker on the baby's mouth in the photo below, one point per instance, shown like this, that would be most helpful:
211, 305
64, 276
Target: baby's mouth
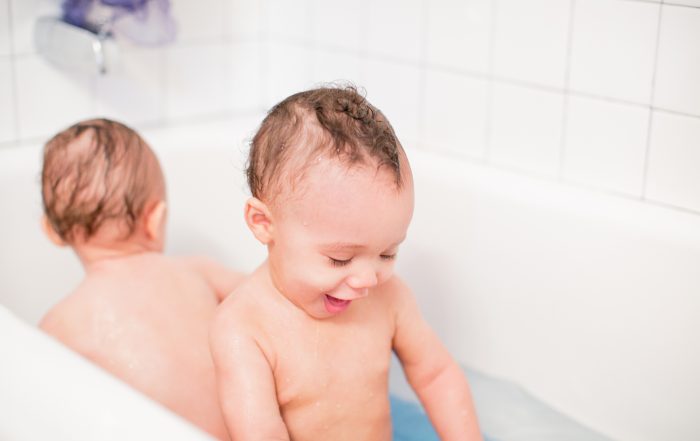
335, 305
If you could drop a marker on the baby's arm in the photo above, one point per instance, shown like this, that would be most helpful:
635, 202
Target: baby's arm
437, 379
221, 279
246, 385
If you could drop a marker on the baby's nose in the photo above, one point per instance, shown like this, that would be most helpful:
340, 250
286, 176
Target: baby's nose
362, 281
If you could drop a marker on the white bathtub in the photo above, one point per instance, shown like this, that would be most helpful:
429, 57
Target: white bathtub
554, 296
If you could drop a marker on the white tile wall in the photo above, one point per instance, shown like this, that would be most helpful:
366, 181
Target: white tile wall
290, 20
196, 80
458, 34
330, 65
606, 144
202, 20
5, 45
531, 40
613, 48
50, 99
395, 90
133, 91
340, 24
526, 129
677, 85
456, 108
463, 77
289, 70
694, 3
244, 19
7, 101
674, 161
395, 29
243, 73
24, 15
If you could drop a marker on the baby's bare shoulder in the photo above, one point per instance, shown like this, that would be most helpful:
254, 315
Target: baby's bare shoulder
240, 312
66, 321
395, 291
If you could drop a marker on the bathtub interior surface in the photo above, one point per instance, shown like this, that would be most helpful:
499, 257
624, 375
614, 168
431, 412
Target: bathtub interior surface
506, 412
571, 302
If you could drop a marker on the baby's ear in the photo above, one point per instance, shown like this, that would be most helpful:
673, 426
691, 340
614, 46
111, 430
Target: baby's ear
155, 222
51, 233
259, 220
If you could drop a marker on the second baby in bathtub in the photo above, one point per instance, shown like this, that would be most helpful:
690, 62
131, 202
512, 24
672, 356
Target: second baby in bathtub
137, 313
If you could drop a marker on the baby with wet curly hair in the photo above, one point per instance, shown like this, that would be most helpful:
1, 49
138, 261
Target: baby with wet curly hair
137, 313
302, 348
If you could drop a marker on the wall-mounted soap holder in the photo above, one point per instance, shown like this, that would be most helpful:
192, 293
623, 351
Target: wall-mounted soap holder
72, 47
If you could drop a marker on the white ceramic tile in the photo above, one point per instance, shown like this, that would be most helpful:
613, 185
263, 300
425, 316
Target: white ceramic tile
203, 20
24, 15
244, 18
5, 46
288, 20
613, 49
674, 161
606, 144
340, 24
678, 66
531, 40
395, 28
455, 113
245, 76
695, 3
334, 66
458, 34
395, 89
526, 129
50, 99
196, 80
133, 90
7, 101
288, 69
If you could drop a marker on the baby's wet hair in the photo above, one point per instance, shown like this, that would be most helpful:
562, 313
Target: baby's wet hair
97, 171
336, 121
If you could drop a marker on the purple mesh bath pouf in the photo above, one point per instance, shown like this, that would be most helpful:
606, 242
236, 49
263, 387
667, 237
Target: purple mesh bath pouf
145, 22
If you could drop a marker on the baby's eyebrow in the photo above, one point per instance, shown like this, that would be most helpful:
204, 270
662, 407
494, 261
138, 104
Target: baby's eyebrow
335, 246
338, 246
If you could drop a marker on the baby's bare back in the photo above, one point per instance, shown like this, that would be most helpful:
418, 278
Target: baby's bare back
145, 318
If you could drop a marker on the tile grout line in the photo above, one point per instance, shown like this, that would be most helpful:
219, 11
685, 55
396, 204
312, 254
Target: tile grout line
566, 94
13, 73
421, 142
490, 93
650, 120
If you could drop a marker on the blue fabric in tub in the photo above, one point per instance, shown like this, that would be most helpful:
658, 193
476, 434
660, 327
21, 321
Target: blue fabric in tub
409, 421
506, 412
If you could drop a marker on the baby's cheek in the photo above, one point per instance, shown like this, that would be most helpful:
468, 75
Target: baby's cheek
385, 274
320, 280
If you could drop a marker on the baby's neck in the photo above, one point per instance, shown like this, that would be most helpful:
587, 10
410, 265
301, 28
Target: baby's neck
93, 256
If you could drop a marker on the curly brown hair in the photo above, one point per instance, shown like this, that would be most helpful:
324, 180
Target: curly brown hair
96, 171
336, 121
